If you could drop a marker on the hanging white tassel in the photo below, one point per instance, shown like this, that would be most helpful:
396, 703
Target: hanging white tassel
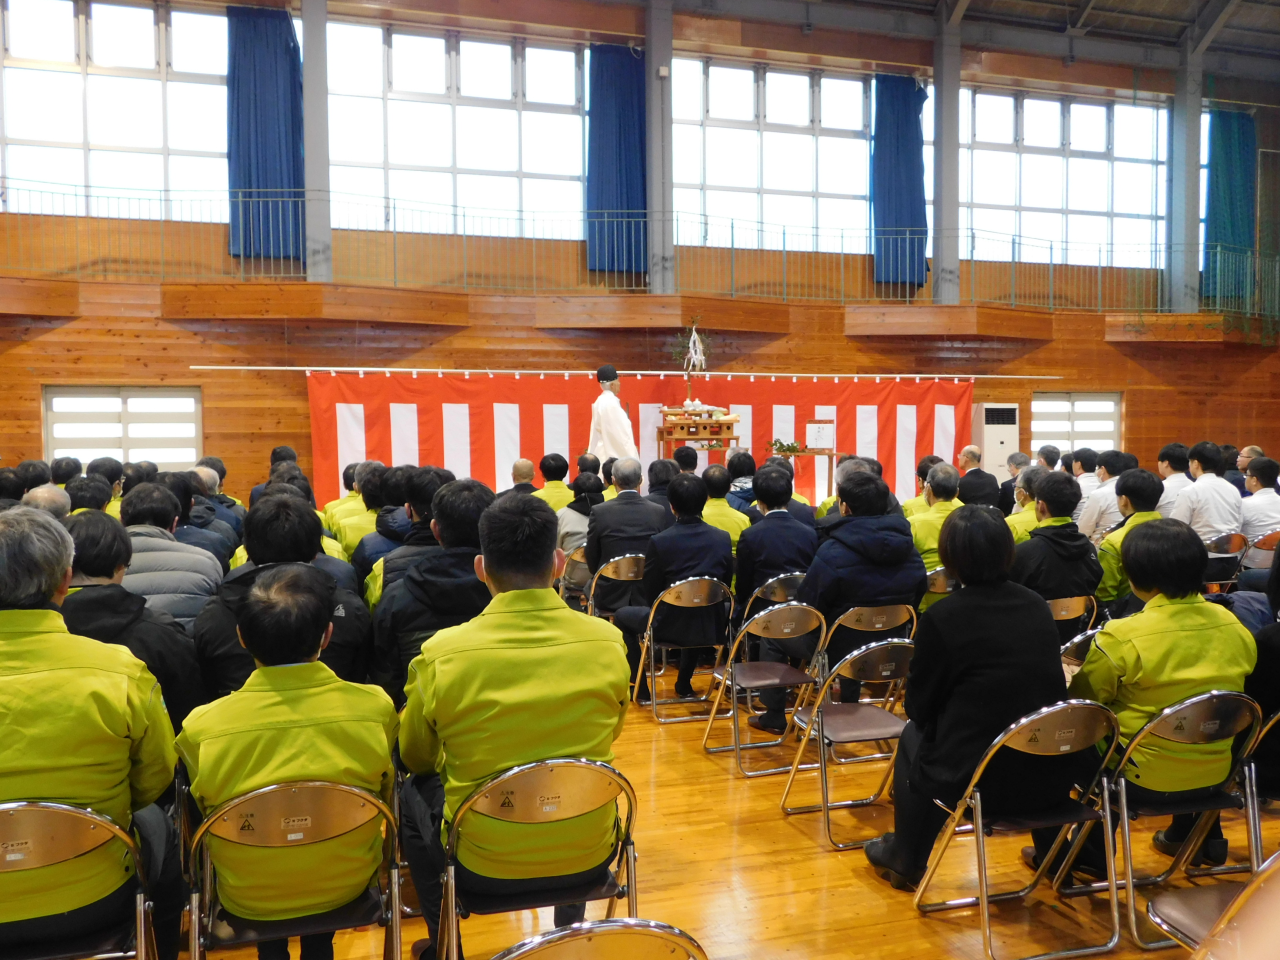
695, 360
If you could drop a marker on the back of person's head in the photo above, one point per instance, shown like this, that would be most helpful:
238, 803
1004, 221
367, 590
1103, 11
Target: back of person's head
925, 465
179, 484
1087, 457
1265, 470
782, 463
52, 500
109, 468
606, 470
282, 488
457, 508
865, 494
1017, 459
661, 472
1029, 476
717, 480
873, 464
215, 464
851, 465
772, 487
688, 495
132, 474
1143, 488
149, 470
34, 473
102, 545
151, 505
589, 463
1230, 453
1049, 454
208, 480
1175, 454
976, 545
363, 468
281, 530
285, 470
199, 485
1209, 456
518, 541
522, 471
12, 486
628, 474
943, 481
973, 453
1059, 492
371, 488
349, 477
286, 614
1115, 462
1131, 461
1166, 556
686, 457
280, 454
395, 486
422, 486
585, 484
90, 492
553, 467
63, 469
741, 465
35, 554
1068, 458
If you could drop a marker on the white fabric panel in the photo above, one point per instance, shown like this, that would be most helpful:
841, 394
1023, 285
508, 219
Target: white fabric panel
867, 441
350, 417
650, 421
703, 460
555, 432
904, 476
743, 410
944, 432
784, 423
506, 442
457, 438
821, 466
404, 434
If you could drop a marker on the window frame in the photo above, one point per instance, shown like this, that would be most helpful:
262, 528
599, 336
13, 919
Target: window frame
124, 418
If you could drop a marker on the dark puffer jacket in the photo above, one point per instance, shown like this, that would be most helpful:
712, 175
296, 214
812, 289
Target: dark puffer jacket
389, 532
418, 542
864, 562
1058, 561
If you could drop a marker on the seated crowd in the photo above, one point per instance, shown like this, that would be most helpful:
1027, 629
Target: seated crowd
176, 629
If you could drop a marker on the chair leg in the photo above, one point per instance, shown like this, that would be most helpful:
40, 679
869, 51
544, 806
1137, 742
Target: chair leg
726, 682
193, 945
140, 921
640, 672
449, 926
633, 894
391, 943
935, 860
1131, 894
795, 765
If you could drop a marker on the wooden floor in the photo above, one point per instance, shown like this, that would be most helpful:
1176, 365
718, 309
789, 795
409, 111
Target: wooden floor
718, 859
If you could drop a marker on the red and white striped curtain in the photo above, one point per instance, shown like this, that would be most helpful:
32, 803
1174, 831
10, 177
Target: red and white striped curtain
478, 424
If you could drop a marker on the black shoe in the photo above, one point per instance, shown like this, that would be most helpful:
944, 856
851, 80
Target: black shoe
878, 856
1212, 853
686, 693
1093, 872
767, 724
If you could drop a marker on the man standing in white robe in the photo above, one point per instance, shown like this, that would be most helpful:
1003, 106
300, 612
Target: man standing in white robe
611, 434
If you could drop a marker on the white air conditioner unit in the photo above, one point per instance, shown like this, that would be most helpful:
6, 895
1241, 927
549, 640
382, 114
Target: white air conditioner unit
995, 431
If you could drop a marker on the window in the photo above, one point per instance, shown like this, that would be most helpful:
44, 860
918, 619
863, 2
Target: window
108, 129
1071, 420
769, 158
159, 424
420, 126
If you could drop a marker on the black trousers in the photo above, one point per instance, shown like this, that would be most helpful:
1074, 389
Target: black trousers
784, 649
158, 838
317, 946
421, 814
916, 818
632, 622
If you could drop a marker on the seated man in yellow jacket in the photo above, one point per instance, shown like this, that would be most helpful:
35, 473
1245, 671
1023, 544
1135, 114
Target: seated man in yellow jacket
529, 679
1137, 494
917, 503
84, 723
555, 492
940, 487
356, 523
350, 493
718, 512
1023, 521
292, 720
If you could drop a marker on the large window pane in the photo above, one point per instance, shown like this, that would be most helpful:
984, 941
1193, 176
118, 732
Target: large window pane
1041, 233
198, 117
1041, 181
355, 129
966, 114
731, 93
124, 112
841, 103
1088, 127
417, 63
995, 177
42, 29
492, 205
1135, 132
419, 134
1134, 189
1087, 240
56, 166
1086, 184
786, 98
993, 234
485, 69
928, 173
126, 184
197, 43
732, 218
966, 161
788, 161
687, 205
358, 202
198, 189
842, 225
1133, 245
732, 157
926, 115
552, 143
686, 153
842, 165
123, 36
553, 209
993, 118
486, 139
43, 105
1204, 138
423, 201
1042, 123
787, 223
550, 76
355, 58
1162, 189
686, 89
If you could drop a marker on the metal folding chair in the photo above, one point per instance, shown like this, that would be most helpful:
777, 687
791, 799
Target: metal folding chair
1229, 544
1075, 650
629, 566
1073, 608
1207, 718
1267, 542
847, 723
37, 834
546, 791
620, 939
566, 591
293, 814
939, 582
1056, 730
1100, 535
1223, 920
783, 620
780, 589
693, 593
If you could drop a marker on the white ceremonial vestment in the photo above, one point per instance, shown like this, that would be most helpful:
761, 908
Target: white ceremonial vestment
611, 434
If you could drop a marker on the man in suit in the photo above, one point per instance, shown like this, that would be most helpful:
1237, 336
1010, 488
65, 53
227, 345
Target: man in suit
620, 526
1016, 461
797, 506
689, 548
976, 485
521, 477
778, 543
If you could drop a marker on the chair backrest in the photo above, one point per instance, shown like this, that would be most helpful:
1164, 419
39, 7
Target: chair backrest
780, 589
1267, 541
1205, 718
629, 566
293, 814
785, 620
939, 582
37, 834
1075, 650
579, 555
695, 592
622, 938
1068, 608
1250, 927
877, 662
1228, 543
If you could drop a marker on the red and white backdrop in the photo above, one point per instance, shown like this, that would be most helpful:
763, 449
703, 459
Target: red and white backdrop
478, 424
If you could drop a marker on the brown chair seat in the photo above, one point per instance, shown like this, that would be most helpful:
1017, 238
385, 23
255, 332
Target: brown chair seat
854, 722
1069, 811
760, 674
1193, 911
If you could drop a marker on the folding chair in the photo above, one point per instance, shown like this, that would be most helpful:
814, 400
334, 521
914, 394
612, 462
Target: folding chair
1229, 544
693, 593
1056, 730
566, 591
1207, 718
833, 723
939, 582
629, 566
546, 791
1223, 920
1100, 535
783, 620
620, 939
37, 834
291, 815
1075, 650
1073, 608
1267, 543
780, 589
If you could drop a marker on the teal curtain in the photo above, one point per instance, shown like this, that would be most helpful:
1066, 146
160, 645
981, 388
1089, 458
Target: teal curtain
1230, 212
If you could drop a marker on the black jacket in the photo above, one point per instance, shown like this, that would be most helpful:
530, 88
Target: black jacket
518, 488
440, 590
825, 524
1007, 499
865, 562
804, 514
194, 535
689, 548
340, 570
1058, 562
225, 665
1264, 686
618, 527
778, 544
389, 532
112, 614
222, 514
237, 510
418, 542
978, 486
658, 495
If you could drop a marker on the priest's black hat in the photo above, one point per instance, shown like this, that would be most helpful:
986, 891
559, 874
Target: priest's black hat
606, 373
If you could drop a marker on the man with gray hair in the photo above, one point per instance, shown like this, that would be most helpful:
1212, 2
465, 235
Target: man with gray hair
356, 505
1022, 521
623, 525
84, 722
1016, 462
51, 499
849, 466
940, 494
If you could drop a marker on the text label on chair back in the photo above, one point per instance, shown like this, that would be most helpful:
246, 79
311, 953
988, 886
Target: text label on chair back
292, 817
547, 794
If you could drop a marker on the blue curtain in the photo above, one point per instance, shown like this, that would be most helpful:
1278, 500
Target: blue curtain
1229, 232
616, 196
264, 134
897, 182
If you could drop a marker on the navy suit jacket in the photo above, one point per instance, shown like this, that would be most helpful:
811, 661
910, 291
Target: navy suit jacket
689, 548
794, 507
778, 544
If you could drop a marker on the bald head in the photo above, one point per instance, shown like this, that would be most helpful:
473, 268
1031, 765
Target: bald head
522, 471
50, 499
970, 457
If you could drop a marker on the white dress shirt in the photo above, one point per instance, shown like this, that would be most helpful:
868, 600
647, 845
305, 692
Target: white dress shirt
611, 434
1101, 511
1212, 506
1088, 483
1261, 514
1174, 484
